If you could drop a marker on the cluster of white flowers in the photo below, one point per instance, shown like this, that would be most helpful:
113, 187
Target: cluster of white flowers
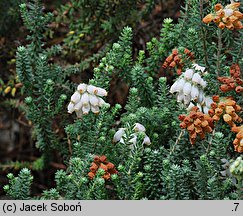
86, 98
189, 87
120, 135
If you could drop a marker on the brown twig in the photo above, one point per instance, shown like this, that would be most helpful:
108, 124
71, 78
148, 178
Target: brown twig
204, 36
219, 51
177, 141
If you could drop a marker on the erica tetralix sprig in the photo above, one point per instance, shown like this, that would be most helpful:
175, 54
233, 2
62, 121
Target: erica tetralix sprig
176, 60
234, 82
197, 124
238, 141
100, 162
226, 17
227, 108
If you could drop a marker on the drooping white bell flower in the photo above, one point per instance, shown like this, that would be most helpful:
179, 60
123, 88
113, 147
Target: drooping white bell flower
196, 78
86, 98
133, 141
146, 140
173, 88
203, 83
187, 88
86, 109
188, 74
70, 107
78, 106
139, 127
118, 135
187, 99
75, 97
101, 92
201, 96
180, 85
198, 67
82, 88
95, 109
94, 100
208, 101
194, 92
180, 97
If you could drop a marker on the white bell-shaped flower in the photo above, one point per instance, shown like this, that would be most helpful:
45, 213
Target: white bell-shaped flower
198, 67
101, 102
208, 101
101, 92
194, 92
203, 83
95, 109
92, 89
139, 127
75, 97
201, 96
78, 105
173, 88
86, 98
196, 78
146, 140
70, 107
180, 85
187, 88
94, 100
180, 97
187, 99
188, 74
118, 135
133, 141
82, 88
86, 109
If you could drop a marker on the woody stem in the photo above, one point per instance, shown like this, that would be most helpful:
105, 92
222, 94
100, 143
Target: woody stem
219, 51
204, 33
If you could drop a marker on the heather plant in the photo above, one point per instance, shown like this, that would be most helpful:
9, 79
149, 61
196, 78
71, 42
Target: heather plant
158, 146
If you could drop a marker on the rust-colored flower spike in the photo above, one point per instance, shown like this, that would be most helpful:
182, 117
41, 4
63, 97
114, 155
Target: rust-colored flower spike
238, 141
234, 82
226, 17
100, 162
197, 124
176, 60
227, 108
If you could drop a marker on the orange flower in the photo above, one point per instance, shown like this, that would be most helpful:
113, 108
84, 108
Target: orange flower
215, 98
91, 175
228, 16
221, 25
102, 163
239, 89
196, 123
103, 158
209, 18
217, 7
